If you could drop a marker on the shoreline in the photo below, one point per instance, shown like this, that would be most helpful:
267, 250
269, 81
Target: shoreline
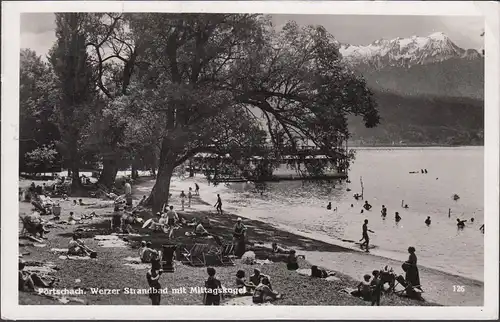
438, 284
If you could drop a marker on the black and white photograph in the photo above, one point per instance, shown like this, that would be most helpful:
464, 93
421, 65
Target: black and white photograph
266, 159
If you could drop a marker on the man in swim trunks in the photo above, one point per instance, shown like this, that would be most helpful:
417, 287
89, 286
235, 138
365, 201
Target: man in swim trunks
366, 238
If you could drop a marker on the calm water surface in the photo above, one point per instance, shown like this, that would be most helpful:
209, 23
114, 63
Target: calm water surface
302, 205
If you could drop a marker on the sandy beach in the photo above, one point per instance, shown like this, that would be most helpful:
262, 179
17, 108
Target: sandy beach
438, 285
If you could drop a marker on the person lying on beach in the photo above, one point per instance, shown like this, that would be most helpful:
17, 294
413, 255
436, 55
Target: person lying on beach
28, 281
320, 273
263, 293
291, 262
461, 223
76, 248
329, 206
257, 277
241, 284
280, 250
428, 221
363, 288
367, 206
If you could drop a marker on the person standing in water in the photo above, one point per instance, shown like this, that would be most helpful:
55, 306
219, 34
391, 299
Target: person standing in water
367, 206
461, 223
383, 211
366, 238
428, 221
329, 206
218, 204
397, 217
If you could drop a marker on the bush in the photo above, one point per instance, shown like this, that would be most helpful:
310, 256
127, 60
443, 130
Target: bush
41, 159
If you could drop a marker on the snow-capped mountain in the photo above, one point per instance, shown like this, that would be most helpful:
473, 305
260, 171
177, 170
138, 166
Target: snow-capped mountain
406, 52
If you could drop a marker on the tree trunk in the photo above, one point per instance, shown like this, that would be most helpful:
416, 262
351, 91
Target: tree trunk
108, 173
135, 172
76, 184
160, 193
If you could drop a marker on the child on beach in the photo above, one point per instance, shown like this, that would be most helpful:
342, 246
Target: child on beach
363, 288
376, 288
213, 294
244, 287
292, 264
153, 276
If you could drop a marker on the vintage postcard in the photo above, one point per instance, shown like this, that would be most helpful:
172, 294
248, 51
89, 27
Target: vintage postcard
275, 159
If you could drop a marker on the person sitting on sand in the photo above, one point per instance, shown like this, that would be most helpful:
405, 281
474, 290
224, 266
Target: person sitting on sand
397, 217
241, 284
75, 247
291, 263
257, 277
329, 206
428, 221
280, 250
34, 224
142, 202
367, 206
263, 293
320, 273
28, 281
363, 289
200, 230
80, 202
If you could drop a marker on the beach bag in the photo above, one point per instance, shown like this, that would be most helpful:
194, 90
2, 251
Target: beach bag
405, 266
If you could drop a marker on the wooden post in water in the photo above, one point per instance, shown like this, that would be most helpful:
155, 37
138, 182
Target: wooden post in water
362, 188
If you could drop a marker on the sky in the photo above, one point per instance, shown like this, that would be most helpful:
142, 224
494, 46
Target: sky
37, 29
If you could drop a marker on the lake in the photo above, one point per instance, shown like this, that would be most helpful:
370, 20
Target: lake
301, 205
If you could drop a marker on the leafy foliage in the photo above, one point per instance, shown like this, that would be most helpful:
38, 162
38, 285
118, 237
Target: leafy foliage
42, 158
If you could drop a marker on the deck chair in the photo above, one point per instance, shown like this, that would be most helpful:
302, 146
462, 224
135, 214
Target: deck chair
224, 253
409, 290
196, 255
167, 258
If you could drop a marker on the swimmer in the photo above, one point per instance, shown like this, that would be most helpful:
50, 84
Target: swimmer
406, 207
472, 220
449, 212
352, 206
329, 206
383, 211
367, 206
428, 221
425, 170
461, 223
335, 209
357, 196
362, 211
397, 217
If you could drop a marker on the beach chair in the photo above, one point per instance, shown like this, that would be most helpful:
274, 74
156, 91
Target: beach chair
196, 255
167, 257
224, 253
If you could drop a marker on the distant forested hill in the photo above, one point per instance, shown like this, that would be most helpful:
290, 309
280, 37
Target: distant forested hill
426, 120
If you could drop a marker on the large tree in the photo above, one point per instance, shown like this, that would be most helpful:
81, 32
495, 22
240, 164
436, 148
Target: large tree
76, 88
36, 86
213, 79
